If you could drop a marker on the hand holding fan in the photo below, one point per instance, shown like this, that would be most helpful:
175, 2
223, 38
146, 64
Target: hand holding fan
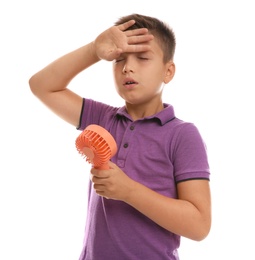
97, 145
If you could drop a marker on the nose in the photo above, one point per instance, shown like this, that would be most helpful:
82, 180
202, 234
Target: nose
127, 68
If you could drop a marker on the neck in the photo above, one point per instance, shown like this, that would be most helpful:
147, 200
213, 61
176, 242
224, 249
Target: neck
143, 110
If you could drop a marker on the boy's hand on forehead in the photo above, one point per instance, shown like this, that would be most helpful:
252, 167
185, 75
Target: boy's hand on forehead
111, 43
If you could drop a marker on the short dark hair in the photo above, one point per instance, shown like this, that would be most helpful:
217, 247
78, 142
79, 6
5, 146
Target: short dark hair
162, 32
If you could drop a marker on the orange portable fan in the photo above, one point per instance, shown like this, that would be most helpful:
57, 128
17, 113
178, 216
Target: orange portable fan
97, 145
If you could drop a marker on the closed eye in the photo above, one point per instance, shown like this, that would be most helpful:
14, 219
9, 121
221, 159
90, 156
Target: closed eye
118, 60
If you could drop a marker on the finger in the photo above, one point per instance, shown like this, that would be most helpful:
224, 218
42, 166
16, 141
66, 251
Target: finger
102, 194
98, 184
126, 25
111, 165
137, 48
98, 173
140, 38
98, 180
139, 31
98, 187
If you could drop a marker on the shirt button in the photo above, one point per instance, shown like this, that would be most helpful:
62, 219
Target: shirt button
132, 127
125, 145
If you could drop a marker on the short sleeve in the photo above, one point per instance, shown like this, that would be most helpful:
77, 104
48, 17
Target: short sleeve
190, 156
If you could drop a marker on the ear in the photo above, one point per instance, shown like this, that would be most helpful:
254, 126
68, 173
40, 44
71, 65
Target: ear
170, 71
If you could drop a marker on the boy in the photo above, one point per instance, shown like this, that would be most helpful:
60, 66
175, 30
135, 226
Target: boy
157, 187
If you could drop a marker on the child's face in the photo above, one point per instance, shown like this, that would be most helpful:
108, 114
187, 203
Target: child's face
140, 77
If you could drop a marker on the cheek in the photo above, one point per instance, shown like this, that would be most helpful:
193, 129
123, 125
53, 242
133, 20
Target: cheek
117, 81
115, 75
155, 76
117, 72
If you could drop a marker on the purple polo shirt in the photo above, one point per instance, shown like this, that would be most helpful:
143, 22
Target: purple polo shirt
157, 151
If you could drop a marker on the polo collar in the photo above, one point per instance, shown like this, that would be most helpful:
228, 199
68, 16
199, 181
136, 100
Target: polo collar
164, 116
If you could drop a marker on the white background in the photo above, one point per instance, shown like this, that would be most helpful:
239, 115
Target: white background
43, 179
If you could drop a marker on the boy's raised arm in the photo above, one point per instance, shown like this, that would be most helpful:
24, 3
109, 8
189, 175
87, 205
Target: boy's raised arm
50, 83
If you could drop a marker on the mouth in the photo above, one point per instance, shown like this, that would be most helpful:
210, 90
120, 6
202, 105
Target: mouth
129, 83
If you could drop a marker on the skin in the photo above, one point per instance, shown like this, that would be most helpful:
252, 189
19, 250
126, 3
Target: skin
136, 58
149, 74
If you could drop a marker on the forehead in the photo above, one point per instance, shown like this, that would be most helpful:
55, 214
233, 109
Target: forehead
155, 43
155, 47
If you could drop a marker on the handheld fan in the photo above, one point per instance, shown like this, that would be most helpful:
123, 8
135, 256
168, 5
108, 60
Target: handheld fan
97, 145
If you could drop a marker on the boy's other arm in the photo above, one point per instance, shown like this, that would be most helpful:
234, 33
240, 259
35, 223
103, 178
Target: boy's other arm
188, 216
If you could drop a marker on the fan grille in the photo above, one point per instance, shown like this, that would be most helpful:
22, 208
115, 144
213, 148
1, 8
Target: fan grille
94, 148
